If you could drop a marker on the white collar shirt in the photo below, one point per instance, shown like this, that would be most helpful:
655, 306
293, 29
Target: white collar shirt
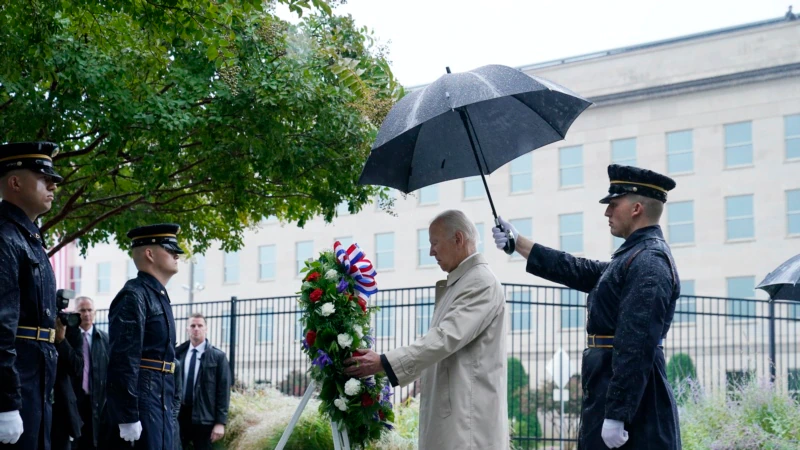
188, 359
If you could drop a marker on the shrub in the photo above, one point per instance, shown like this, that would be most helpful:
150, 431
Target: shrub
679, 369
759, 416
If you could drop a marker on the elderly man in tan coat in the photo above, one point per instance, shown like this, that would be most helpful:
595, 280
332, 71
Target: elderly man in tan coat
462, 357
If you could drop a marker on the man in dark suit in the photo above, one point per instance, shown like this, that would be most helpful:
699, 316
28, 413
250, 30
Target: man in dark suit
206, 387
87, 349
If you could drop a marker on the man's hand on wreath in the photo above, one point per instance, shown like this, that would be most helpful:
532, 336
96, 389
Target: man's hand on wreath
364, 363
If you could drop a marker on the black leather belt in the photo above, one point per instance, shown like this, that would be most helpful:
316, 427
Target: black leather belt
597, 341
154, 364
37, 334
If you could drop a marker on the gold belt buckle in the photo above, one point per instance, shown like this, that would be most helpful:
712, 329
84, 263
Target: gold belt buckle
590, 340
51, 338
164, 367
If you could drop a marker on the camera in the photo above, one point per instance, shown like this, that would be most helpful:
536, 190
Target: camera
70, 319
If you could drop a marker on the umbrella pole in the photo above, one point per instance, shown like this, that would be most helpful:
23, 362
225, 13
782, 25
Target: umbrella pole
511, 243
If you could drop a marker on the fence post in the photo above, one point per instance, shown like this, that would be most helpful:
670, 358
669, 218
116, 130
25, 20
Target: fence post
772, 362
232, 340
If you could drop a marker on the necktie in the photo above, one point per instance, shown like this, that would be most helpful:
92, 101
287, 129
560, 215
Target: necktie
87, 363
189, 396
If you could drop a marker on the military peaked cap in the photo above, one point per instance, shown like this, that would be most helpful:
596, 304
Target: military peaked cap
634, 180
34, 156
163, 234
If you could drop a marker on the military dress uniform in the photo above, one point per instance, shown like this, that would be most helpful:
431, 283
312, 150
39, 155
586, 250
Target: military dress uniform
27, 306
140, 384
630, 307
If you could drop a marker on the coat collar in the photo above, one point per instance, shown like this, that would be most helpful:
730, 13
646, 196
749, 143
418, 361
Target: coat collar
183, 348
651, 232
151, 282
17, 215
471, 261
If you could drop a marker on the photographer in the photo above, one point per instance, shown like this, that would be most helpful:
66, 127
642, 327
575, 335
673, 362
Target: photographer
66, 418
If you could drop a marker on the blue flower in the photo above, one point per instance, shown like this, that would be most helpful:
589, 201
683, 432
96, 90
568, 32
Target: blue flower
369, 340
305, 344
342, 286
388, 426
369, 382
322, 360
386, 395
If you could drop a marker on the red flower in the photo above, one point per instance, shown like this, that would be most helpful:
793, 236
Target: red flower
311, 337
363, 304
366, 400
315, 295
349, 296
313, 276
381, 415
358, 353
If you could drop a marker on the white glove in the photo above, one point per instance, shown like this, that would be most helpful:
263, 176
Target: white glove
10, 427
614, 434
501, 237
130, 431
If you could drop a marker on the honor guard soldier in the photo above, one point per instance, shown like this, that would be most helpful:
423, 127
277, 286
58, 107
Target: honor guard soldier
627, 400
140, 392
27, 296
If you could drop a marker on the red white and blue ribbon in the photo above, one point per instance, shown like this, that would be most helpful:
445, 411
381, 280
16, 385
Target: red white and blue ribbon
358, 267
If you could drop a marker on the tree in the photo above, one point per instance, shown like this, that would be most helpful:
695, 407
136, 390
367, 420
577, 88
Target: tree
521, 413
212, 114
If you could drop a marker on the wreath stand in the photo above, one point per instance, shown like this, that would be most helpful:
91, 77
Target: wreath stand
340, 439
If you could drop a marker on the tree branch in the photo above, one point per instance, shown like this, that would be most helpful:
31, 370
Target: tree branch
83, 151
65, 210
88, 227
5, 105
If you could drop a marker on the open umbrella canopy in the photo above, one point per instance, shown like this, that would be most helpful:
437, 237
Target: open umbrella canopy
783, 283
425, 139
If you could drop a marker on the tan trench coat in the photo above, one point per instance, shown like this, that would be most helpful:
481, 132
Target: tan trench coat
462, 363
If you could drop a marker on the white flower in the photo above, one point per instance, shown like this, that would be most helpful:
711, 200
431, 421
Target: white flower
340, 403
359, 331
352, 387
345, 340
305, 285
327, 309
332, 275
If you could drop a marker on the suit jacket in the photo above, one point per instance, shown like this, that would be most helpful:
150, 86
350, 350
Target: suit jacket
212, 391
462, 363
99, 361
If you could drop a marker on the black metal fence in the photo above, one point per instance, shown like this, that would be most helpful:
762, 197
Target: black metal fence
717, 341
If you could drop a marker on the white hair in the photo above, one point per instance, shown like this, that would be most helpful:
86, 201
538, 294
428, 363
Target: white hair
454, 220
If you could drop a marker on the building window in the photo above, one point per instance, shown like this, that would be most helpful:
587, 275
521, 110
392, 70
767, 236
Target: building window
479, 238
303, 252
424, 248
521, 170
231, 267
623, 152
738, 144
346, 241
740, 288
570, 228
104, 277
791, 125
616, 242
686, 308
424, 314
384, 251
342, 209
391, 196
75, 279
133, 272
199, 269
525, 228
520, 310
739, 217
680, 222
573, 308
473, 188
225, 327
793, 211
680, 158
429, 195
570, 165
266, 262
384, 320
264, 325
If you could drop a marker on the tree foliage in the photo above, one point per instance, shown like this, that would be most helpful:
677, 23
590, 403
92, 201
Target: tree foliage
213, 114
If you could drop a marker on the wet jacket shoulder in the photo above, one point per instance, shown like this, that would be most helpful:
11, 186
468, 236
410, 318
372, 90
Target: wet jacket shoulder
212, 391
560, 267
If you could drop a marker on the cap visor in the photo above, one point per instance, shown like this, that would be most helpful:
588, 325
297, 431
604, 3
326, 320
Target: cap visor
607, 199
173, 248
52, 173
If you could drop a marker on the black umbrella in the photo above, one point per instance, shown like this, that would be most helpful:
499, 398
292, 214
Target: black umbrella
467, 124
783, 283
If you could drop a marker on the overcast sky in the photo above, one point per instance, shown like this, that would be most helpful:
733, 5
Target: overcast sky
424, 36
